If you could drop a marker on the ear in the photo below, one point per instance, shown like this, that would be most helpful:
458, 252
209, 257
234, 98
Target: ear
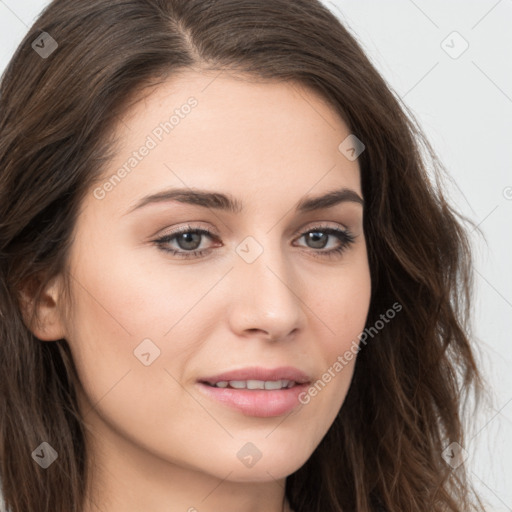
43, 318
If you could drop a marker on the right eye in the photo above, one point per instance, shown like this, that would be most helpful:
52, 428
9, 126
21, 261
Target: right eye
187, 239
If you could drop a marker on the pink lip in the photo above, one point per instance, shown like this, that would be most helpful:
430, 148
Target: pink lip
257, 402
260, 373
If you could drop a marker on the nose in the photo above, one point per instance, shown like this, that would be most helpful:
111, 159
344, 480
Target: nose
266, 299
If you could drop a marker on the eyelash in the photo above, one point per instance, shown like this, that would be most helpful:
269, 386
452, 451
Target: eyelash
346, 238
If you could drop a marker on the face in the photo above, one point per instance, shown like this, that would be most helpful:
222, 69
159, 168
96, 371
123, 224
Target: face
171, 292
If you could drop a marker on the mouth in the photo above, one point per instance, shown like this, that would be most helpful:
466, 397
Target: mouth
252, 384
252, 377
257, 392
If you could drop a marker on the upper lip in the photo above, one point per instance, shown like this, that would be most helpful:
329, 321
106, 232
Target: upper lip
260, 373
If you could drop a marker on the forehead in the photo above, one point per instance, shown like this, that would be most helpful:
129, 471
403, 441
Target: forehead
219, 131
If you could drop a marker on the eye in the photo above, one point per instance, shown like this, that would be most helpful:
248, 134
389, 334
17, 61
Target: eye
188, 240
318, 238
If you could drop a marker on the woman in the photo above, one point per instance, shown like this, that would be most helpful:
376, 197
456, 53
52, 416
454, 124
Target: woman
227, 281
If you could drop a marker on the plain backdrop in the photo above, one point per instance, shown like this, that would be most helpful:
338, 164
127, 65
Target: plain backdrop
450, 63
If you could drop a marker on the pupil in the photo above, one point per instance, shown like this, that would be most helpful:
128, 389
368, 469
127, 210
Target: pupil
318, 238
190, 238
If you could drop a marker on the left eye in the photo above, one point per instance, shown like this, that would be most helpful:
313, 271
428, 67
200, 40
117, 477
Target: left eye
189, 240
319, 237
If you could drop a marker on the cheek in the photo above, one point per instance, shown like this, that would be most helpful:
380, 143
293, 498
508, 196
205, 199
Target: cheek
124, 310
125, 300
114, 316
343, 305
342, 309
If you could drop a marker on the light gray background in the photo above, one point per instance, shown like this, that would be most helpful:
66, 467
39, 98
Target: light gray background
464, 105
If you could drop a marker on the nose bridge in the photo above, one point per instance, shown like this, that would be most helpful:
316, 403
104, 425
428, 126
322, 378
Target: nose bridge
267, 297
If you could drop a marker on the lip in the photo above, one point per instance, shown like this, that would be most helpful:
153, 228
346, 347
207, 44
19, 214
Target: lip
260, 373
257, 402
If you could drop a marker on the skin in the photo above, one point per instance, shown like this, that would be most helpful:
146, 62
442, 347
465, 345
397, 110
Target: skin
158, 443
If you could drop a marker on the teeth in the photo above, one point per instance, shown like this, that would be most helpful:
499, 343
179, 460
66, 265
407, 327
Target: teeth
275, 385
238, 384
256, 384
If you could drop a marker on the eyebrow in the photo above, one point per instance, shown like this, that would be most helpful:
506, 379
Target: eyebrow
219, 201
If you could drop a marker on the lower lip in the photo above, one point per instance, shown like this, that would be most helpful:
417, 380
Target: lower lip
257, 402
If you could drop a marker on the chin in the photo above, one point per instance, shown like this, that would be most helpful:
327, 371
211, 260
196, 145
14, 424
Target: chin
268, 468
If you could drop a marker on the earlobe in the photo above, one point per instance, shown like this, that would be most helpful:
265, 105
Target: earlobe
43, 317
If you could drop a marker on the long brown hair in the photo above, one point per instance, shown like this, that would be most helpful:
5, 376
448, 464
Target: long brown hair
408, 393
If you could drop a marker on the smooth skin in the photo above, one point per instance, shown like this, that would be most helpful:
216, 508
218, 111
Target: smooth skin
159, 444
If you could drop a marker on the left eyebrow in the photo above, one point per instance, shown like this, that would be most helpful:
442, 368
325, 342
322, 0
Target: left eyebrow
219, 201
328, 200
